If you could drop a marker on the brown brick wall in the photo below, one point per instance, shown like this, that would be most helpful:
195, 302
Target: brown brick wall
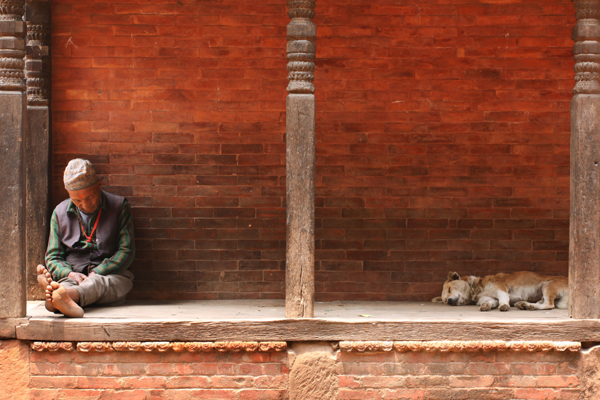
240, 376
442, 139
493, 375
264, 376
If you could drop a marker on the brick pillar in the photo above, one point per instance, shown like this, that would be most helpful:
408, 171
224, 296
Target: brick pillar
14, 370
300, 161
37, 142
584, 241
13, 125
313, 372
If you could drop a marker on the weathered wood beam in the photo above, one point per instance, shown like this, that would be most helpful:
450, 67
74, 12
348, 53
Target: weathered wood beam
300, 160
37, 142
303, 329
584, 240
13, 126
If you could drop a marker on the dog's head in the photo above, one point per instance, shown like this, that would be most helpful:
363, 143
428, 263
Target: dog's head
456, 291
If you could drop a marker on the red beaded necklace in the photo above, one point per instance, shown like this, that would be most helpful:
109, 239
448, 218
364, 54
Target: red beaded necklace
89, 238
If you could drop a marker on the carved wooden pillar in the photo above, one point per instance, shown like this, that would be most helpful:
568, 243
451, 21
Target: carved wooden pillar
13, 111
37, 142
300, 160
584, 243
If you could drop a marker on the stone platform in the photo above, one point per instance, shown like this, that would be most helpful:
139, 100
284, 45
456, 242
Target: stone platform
335, 321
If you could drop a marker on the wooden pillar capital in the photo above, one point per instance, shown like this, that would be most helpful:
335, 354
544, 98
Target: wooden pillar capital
12, 45
587, 48
37, 65
301, 33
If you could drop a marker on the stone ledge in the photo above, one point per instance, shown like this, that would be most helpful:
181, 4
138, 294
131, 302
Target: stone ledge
264, 321
8, 327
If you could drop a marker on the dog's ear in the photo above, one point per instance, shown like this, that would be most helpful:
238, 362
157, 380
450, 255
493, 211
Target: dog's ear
437, 300
453, 276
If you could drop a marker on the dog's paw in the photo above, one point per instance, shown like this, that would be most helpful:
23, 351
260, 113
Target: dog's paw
485, 307
504, 307
521, 305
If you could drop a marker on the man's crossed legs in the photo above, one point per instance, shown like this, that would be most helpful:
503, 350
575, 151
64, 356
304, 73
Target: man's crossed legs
68, 296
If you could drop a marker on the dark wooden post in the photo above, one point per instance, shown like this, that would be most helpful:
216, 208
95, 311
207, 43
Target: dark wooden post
13, 125
37, 142
300, 148
584, 242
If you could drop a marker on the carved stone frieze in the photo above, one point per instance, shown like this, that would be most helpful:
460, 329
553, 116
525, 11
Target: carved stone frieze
99, 347
52, 346
586, 35
458, 346
301, 47
346, 346
192, 347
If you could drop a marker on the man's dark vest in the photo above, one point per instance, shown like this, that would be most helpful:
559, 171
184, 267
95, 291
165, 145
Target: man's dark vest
69, 231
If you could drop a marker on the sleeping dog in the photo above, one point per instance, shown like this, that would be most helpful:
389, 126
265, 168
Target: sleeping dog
524, 290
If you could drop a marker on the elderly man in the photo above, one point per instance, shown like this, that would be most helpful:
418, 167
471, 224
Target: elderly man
91, 246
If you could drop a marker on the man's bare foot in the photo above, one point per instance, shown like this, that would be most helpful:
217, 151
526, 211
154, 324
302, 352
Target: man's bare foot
44, 279
63, 302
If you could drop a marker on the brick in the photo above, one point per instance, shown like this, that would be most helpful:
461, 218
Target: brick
475, 381
253, 394
347, 394
213, 394
550, 245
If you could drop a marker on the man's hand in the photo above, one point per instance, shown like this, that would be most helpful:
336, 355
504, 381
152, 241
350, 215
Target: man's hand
79, 277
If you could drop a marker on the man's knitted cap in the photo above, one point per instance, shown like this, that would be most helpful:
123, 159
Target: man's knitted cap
79, 174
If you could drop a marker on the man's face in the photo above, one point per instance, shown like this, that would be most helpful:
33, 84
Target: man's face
88, 199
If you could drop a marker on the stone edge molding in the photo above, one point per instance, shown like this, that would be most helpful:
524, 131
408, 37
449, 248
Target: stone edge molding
192, 347
458, 346
346, 346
